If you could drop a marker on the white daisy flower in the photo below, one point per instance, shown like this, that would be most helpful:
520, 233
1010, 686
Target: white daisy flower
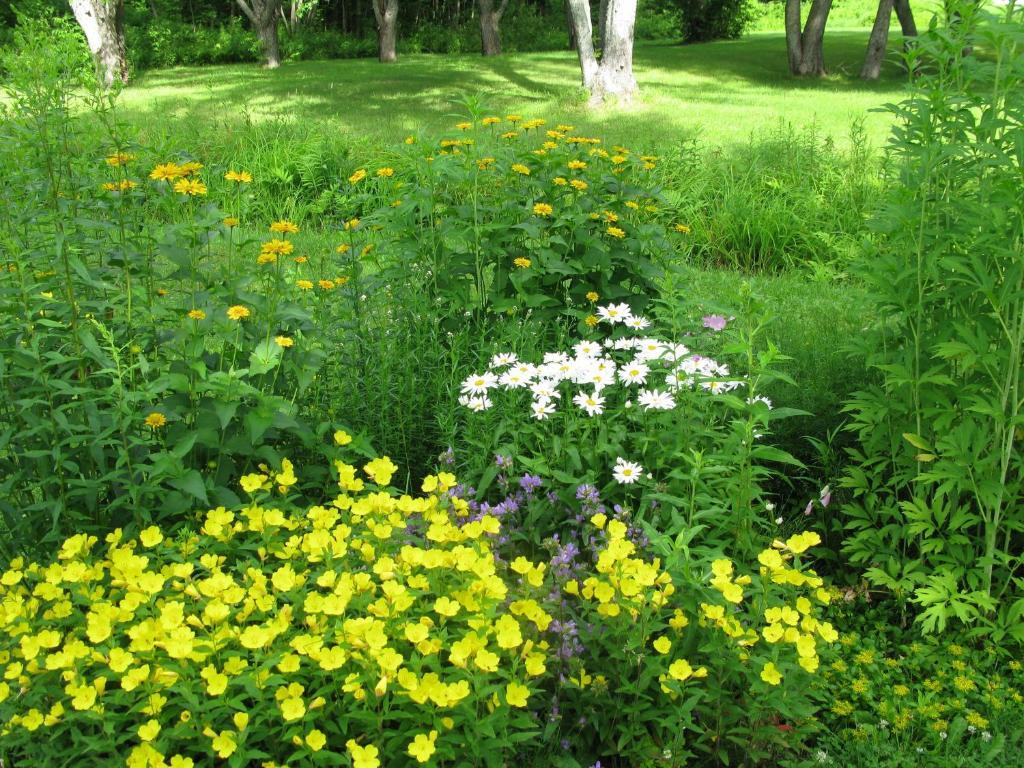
479, 403
587, 349
479, 383
592, 403
626, 471
656, 400
502, 359
637, 323
526, 370
512, 379
633, 373
614, 313
649, 349
545, 389
542, 408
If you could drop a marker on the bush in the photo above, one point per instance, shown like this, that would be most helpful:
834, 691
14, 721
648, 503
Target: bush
937, 476
704, 20
383, 626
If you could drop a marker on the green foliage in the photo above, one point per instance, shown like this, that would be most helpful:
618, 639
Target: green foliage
937, 477
704, 20
787, 198
895, 700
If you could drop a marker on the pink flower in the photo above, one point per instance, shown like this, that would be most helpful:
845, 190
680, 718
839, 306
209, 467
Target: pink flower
715, 322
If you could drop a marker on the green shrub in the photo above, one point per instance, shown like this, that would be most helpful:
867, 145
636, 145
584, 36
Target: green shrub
937, 476
704, 20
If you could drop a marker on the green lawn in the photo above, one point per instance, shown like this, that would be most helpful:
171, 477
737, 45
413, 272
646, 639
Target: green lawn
720, 91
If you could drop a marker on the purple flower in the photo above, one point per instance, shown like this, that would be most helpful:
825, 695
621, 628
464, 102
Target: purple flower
826, 496
530, 483
714, 322
502, 461
809, 508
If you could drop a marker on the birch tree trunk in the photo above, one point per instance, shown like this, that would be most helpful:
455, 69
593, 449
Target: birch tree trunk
615, 71
102, 21
612, 76
490, 27
386, 13
878, 41
263, 16
583, 34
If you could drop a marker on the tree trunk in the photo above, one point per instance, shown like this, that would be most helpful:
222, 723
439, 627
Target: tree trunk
906, 17
386, 13
615, 72
570, 24
602, 24
583, 32
263, 16
794, 46
813, 39
102, 21
878, 41
490, 31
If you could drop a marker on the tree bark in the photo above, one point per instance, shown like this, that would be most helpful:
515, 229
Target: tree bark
583, 32
102, 21
490, 27
615, 72
602, 24
386, 13
878, 41
794, 46
906, 17
263, 16
813, 39
570, 24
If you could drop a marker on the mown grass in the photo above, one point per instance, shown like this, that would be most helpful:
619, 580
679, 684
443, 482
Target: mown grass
720, 92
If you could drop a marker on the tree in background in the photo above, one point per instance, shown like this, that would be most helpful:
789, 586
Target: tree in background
878, 42
386, 13
263, 15
704, 20
102, 21
490, 33
612, 75
807, 49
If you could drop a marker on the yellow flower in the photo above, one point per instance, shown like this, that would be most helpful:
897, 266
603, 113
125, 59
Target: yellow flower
422, 747
316, 740
385, 173
196, 314
277, 247
284, 341
224, 743
522, 263
149, 730
151, 536
516, 694
239, 177
190, 187
166, 172
579, 185
680, 670
363, 757
341, 437
292, 708
304, 285
358, 176
576, 165
380, 470
662, 645
616, 232
284, 227
591, 320
521, 169
592, 296
770, 674
121, 158
155, 420
230, 222
542, 209
238, 312
682, 229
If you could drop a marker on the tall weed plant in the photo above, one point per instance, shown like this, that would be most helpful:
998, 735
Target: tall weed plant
937, 478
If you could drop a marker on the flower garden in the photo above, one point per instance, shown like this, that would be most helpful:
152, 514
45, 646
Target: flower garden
453, 470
